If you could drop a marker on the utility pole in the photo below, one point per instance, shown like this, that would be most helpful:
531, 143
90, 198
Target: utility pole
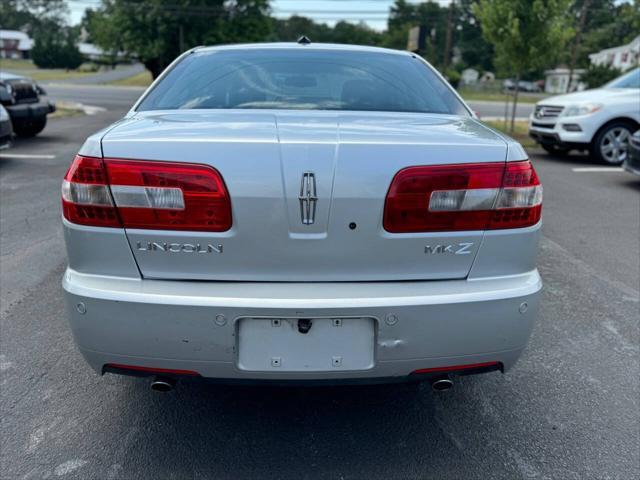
578, 39
447, 45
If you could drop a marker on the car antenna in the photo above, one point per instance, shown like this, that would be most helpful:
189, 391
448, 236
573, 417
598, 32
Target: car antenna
304, 40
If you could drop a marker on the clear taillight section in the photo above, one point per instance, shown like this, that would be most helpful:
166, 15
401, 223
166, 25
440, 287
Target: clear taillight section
85, 194
146, 195
463, 197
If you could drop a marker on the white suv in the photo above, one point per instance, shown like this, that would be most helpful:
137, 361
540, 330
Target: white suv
600, 120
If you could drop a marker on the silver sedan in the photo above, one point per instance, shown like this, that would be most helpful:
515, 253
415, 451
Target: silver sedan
301, 213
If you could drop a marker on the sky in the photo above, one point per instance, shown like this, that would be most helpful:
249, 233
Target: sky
372, 12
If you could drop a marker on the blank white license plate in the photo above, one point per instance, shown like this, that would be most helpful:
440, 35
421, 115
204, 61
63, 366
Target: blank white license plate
305, 345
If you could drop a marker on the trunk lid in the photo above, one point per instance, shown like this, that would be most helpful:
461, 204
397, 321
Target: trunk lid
341, 164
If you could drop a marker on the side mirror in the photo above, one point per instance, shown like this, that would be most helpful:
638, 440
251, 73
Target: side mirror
40, 90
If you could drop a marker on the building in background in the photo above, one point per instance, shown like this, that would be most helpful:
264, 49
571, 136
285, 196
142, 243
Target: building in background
623, 57
557, 80
15, 44
469, 76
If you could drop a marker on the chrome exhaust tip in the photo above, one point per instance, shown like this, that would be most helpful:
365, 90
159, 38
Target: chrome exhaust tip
441, 384
162, 384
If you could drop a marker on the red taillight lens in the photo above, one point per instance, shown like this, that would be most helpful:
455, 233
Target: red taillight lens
169, 196
463, 197
148, 195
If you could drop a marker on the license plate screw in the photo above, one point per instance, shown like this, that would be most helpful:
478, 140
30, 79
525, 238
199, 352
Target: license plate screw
337, 322
276, 322
336, 361
276, 361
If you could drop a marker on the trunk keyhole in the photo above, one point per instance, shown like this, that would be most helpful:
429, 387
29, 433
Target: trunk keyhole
304, 325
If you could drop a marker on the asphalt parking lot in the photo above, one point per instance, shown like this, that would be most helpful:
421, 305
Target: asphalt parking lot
568, 410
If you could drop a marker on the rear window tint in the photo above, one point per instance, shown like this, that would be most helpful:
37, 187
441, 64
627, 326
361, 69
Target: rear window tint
302, 80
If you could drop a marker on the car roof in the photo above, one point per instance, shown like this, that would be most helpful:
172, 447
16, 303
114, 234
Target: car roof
296, 46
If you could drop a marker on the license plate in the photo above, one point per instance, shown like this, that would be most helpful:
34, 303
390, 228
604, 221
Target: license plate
305, 344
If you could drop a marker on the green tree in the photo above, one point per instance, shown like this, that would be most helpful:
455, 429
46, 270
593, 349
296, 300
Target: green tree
57, 49
156, 32
404, 15
476, 51
608, 24
524, 33
32, 16
290, 29
355, 34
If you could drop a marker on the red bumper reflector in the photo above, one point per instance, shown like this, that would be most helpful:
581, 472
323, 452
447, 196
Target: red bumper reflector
454, 368
159, 371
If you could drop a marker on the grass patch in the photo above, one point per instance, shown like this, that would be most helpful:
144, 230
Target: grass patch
499, 96
55, 74
27, 68
520, 132
15, 64
142, 79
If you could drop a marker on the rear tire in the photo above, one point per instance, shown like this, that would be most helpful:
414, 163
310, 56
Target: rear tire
611, 143
31, 127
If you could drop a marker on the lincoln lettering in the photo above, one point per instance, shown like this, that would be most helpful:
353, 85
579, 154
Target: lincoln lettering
178, 247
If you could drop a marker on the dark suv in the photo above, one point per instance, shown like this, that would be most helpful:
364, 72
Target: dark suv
20, 96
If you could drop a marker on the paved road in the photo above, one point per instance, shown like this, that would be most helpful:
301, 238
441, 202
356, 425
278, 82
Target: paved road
116, 99
496, 109
569, 410
108, 75
103, 76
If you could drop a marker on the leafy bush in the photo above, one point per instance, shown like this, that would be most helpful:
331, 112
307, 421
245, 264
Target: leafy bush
453, 77
89, 67
598, 75
56, 49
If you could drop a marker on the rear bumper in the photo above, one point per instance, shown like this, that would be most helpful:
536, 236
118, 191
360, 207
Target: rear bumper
192, 326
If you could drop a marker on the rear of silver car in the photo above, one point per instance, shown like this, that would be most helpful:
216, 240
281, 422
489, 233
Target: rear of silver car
305, 245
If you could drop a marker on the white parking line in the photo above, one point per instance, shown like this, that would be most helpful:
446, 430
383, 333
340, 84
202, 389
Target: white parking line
598, 169
25, 155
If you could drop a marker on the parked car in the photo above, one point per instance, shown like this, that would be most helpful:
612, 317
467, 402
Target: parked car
301, 212
21, 98
523, 86
632, 162
599, 120
6, 131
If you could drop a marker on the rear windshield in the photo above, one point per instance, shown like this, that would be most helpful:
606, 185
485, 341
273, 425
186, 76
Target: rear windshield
302, 80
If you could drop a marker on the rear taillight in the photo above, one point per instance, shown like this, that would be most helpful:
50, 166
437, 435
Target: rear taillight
481, 196
85, 194
144, 194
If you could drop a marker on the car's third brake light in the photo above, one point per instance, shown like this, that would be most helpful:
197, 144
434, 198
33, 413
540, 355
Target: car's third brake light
463, 197
148, 195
